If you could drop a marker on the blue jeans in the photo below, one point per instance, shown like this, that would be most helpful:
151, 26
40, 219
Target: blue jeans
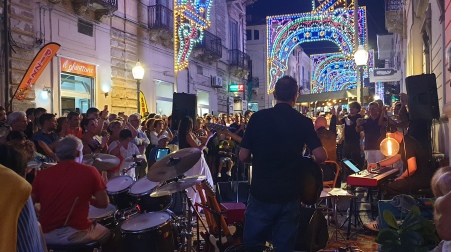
272, 222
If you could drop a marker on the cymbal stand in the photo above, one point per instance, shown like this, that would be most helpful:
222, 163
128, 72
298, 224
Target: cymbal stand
187, 225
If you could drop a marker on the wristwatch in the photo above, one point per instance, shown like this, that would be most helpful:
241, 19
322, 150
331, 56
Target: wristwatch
378, 165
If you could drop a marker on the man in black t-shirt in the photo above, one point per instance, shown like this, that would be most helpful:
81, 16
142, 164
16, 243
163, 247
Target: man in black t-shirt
372, 129
273, 141
418, 172
351, 143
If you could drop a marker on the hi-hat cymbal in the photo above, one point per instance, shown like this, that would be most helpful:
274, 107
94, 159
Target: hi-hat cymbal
174, 164
178, 186
103, 162
138, 158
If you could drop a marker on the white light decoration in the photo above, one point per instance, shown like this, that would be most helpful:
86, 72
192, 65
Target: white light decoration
45, 93
361, 56
138, 71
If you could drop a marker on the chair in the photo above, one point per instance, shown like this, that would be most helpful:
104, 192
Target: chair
331, 169
87, 247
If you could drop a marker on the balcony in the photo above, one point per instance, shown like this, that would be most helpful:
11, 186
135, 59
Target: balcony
209, 49
394, 16
161, 24
238, 63
101, 8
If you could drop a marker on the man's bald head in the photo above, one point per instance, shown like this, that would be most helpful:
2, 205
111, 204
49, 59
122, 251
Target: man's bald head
320, 122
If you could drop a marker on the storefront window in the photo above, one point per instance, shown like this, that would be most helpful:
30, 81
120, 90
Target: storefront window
76, 93
203, 103
164, 93
77, 86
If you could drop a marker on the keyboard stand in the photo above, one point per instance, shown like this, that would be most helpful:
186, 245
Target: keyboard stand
353, 211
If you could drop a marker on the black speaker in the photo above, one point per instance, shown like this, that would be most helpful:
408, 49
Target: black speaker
183, 105
422, 97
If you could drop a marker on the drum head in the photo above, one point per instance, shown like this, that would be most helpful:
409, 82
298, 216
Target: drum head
143, 186
145, 221
98, 213
118, 184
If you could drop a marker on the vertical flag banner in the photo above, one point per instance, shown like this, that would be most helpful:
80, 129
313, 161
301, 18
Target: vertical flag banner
35, 70
143, 104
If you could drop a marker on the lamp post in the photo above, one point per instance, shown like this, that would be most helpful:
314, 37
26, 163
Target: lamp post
138, 74
361, 59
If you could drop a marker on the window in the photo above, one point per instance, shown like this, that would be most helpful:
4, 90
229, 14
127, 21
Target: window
76, 93
200, 70
248, 34
256, 35
234, 38
85, 28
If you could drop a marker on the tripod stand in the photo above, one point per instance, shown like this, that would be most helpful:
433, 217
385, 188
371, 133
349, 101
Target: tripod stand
187, 225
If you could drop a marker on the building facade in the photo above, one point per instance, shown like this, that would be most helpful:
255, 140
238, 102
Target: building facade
101, 41
298, 66
419, 28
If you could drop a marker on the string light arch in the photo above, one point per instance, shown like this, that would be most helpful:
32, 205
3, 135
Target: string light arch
326, 23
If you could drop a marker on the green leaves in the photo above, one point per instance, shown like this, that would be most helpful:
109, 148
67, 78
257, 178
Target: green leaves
414, 234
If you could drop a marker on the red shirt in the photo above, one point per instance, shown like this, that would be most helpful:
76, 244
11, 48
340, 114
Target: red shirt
57, 187
77, 132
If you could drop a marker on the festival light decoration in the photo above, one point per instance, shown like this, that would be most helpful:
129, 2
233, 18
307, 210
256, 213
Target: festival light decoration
191, 18
326, 23
335, 72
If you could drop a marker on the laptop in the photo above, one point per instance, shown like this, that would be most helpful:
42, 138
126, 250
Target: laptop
351, 165
162, 152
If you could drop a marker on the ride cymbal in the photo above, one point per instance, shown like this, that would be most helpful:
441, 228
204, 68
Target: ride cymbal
174, 164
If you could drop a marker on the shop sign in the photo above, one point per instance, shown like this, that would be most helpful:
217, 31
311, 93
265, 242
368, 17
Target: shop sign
77, 67
236, 87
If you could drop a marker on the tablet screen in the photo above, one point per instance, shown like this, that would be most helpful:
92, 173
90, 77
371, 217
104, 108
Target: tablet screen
162, 152
350, 165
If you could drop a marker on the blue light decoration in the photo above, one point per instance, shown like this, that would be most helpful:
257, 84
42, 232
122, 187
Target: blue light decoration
191, 18
326, 23
335, 72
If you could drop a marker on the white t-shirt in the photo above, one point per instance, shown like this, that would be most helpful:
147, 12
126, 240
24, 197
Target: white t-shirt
131, 150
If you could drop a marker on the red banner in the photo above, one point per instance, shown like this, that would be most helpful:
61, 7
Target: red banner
35, 70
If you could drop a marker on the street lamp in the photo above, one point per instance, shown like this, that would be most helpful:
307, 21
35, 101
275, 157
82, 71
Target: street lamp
138, 74
361, 59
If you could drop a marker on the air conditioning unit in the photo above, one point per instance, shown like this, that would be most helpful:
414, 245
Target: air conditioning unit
216, 82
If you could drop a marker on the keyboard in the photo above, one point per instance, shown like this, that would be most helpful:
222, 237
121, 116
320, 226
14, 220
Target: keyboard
366, 178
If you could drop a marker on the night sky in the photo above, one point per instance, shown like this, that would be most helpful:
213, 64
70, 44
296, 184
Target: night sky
375, 19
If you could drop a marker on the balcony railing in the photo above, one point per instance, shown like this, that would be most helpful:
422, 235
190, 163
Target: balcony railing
160, 17
211, 44
239, 59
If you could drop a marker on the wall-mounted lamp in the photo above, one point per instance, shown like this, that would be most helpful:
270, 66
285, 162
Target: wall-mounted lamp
105, 89
46, 91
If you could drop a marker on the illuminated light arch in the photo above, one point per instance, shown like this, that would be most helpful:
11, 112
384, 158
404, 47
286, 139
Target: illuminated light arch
191, 18
326, 65
285, 32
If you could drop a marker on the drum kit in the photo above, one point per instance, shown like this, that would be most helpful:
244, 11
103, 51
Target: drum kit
140, 208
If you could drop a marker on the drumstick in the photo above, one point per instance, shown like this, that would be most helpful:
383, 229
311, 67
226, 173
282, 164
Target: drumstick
70, 212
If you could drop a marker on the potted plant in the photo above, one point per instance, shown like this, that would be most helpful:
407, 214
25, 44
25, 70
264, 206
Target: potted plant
415, 233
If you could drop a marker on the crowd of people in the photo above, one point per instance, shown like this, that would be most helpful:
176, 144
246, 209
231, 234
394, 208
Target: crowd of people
36, 137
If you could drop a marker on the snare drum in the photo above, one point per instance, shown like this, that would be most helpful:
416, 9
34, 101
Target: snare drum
148, 232
117, 189
104, 217
141, 191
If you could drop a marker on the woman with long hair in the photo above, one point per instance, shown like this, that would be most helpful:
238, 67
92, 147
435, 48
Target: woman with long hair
187, 139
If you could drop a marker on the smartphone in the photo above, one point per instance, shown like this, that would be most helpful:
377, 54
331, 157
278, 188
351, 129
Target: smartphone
106, 107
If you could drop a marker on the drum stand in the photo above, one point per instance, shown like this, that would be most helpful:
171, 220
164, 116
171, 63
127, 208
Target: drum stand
187, 225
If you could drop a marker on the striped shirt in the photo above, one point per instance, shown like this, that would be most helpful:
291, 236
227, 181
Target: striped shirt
28, 233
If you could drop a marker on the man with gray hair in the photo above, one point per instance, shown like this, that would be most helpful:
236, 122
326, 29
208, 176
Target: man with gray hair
18, 121
65, 192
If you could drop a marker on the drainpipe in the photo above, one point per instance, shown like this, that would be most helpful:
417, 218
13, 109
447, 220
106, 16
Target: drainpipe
8, 106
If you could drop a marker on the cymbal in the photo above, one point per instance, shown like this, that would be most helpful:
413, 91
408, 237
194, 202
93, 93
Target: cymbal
178, 186
103, 162
174, 164
138, 158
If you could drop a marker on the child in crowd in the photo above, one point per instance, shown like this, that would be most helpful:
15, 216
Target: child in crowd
224, 157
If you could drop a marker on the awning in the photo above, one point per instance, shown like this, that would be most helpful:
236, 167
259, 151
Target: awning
330, 95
